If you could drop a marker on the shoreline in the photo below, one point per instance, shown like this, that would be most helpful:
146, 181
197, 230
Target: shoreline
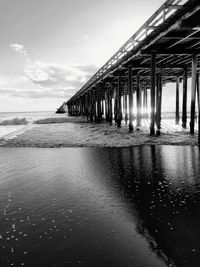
77, 132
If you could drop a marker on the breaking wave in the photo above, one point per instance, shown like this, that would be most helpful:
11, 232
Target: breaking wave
52, 120
15, 121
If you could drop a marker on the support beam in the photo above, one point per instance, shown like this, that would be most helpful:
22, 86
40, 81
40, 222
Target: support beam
98, 119
86, 105
115, 104
172, 51
193, 92
145, 115
138, 98
184, 106
110, 108
118, 98
153, 85
106, 105
95, 105
130, 98
197, 81
177, 101
91, 106
198, 111
125, 105
159, 103
198, 99
102, 108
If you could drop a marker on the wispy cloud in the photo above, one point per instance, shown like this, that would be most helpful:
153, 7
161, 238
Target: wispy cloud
49, 80
38, 93
2, 81
86, 37
19, 48
58, 76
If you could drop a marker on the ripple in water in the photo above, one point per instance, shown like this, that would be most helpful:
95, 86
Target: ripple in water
100, 207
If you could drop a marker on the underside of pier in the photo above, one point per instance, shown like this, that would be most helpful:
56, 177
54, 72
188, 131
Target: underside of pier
165, 49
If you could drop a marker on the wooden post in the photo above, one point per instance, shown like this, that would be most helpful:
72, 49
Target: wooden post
118, 98
184, 106
125, 104
75, 108
177, 101
106, 105
198, 109
123, 101
95, 105
115, 103
80, 106
145, 102
92, 106
98, 113
102, 107
197, 81
153, 85
110, 116
72, 109
130, 85
86, 105
138, 98
198, 104
159, 103
193, 92
83, 105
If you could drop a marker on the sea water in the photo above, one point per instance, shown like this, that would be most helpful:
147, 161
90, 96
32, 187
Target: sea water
107, 207
15, 123
18, 122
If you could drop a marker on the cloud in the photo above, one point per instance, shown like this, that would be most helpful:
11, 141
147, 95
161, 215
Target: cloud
48, 80
58, 76
37, 93
20, 49
86, 37
89, 69
2, 81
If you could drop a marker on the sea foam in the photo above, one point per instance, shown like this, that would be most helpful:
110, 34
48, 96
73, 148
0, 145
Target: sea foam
14, 121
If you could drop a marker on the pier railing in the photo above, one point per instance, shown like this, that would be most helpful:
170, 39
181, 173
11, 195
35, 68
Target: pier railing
159, 17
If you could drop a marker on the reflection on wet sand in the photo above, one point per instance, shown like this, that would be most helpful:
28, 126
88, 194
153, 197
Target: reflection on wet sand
162, 184
100, 207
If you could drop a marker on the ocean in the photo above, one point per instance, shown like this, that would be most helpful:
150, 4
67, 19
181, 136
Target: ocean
18, 122
14, 123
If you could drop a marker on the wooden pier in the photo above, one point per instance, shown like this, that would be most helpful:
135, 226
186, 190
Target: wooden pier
165, 49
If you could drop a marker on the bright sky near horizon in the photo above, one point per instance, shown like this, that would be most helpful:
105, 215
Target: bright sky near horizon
50, 48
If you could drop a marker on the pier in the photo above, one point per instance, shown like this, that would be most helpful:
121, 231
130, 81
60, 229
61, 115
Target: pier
165, 49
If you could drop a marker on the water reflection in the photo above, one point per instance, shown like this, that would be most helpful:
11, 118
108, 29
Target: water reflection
162, 184
100, 207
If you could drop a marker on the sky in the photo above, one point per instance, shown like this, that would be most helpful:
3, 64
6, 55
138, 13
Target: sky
50, 48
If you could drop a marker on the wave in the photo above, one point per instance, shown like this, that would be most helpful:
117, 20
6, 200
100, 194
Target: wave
15, 121
52, 120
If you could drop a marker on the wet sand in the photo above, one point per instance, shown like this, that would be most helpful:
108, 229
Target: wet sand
76, 132
134, 206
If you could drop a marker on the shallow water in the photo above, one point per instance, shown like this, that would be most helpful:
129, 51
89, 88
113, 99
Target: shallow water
15, 123
122, 207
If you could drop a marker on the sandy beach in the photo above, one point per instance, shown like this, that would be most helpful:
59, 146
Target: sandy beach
77, 132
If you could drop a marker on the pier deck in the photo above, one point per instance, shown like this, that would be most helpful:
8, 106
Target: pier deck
165, 49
